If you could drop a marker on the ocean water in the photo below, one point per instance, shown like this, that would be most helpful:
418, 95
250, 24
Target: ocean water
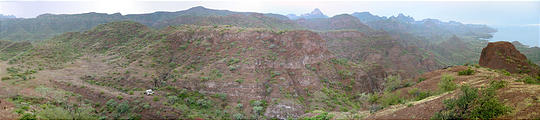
525, 34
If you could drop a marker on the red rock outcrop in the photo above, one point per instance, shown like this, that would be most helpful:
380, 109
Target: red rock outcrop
503, 55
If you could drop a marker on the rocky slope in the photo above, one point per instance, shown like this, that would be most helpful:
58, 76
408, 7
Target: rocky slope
270, 74
381, 49
521, 97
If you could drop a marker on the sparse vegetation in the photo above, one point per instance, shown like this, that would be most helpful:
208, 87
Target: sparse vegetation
466, 72
188, 72
471, 105
447, 83
418, 94
321, 116
392, 83
420, 79
530, 80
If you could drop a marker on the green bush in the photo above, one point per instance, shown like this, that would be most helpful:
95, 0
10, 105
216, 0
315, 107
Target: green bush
28, 116
504, 72
344, 74
221, 96
239, 81
466, 72
172, 99
341, 61
447, 83
488, 107
111, 104
156, 98
320, 116
471, 105
388, 99
123, 107
258, 106
421, 79
392, 83
233, 61
373, 98
76, 113
419, 95
119, 97
530, 80
238, 116
54, 113
497, 84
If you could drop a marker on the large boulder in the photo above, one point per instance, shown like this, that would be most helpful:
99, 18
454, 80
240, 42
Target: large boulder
503, 55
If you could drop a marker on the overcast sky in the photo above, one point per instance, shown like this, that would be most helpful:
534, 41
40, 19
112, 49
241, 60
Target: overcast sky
498, 14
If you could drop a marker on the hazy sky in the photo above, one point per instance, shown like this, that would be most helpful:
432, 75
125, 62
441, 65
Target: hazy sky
500, 14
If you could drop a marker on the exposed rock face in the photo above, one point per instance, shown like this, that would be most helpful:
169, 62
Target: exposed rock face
503, 55
381, 49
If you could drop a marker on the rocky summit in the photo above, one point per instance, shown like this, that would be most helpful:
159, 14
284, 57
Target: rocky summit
503, 55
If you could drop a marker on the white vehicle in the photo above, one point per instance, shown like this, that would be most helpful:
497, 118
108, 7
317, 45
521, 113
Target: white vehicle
149, 92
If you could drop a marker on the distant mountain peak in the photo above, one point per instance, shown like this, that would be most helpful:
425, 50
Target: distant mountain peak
316, 11
403, 18
7, 16
198, 8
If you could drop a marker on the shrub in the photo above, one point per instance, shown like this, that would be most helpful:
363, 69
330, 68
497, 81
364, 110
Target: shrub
447, 83
239, 105
497, 84
233, 61
488, 107
421, 79
146, 106
221, 96
470, 105
504, 72
203, 103
413, 91
123, 107
341, 61
392, 83
54, 113
156, 98
466, 72
530, 80
28, 116
258, 110
111, 104
258, 106
233, 67
373, 98
238, 116
239, 81
172, 99
455, 108
320, 116
215, 73
344, 74
274, 74
119, 97
391, 99
419, 95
